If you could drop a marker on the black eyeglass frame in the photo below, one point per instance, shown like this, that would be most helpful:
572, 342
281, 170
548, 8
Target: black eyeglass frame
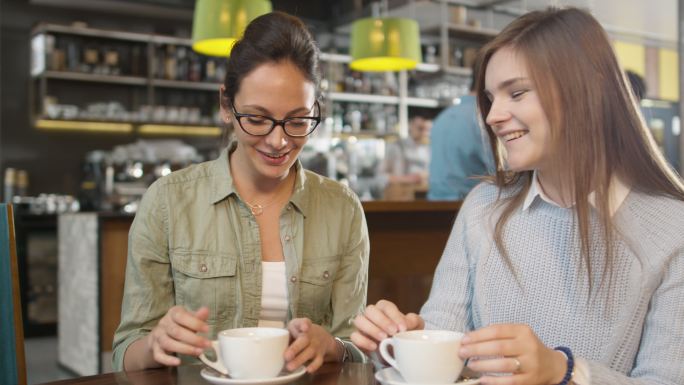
281, 122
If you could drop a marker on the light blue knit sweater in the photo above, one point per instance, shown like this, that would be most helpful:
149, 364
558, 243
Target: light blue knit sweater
632, 333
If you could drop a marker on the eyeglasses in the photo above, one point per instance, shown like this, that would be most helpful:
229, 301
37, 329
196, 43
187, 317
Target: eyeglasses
295, 126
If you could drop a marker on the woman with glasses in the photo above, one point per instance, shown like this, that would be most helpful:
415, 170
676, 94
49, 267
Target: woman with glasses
567, 266
250, 239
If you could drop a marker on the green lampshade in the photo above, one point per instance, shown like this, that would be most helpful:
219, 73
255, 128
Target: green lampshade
385, 44
218, 24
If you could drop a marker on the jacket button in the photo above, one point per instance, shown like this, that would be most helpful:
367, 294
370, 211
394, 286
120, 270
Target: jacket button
203, 268
326, 275
287, 238
293, 279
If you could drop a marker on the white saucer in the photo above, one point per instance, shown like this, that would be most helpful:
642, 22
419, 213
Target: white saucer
390, 376
215, 378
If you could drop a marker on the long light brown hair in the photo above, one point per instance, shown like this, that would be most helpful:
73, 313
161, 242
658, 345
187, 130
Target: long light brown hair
597, 131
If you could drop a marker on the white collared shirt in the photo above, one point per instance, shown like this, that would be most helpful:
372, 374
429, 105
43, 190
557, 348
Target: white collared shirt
618, 191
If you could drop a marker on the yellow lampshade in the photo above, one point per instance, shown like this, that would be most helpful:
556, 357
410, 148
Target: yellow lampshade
385, 44
217, 24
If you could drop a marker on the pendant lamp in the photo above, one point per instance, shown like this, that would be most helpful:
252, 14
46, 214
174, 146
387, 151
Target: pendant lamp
217, 24
385, 44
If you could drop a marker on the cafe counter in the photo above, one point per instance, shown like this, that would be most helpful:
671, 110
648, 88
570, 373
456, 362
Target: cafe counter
407, 239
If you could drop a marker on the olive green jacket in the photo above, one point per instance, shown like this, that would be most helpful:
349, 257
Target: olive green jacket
194, 242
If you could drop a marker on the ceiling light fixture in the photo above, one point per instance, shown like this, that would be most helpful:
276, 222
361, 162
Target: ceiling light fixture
385, 44
217, 24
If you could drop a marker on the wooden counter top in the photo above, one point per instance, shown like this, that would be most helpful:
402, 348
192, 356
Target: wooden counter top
368, 206
408, 206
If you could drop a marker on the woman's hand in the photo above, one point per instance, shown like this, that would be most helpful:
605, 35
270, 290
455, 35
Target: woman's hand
380, 321
311, 343
518, 351
176, 333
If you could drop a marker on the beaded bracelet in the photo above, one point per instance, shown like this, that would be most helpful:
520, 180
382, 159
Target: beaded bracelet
571, 364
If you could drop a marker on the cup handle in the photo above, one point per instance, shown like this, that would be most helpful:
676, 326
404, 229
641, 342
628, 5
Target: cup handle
218, 364
384, 352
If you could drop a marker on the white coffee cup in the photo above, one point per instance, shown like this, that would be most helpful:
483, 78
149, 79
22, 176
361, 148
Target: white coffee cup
425, 356
249, 353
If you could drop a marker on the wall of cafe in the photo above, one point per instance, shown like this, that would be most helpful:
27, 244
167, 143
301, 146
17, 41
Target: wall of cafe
657, 64
54, 159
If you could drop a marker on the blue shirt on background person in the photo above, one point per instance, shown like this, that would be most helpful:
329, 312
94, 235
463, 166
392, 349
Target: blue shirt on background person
458, 152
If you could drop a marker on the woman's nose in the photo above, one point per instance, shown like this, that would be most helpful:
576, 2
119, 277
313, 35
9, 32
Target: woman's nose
277, 138
497, 114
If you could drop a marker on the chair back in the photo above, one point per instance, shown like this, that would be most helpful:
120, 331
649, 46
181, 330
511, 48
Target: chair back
12, 361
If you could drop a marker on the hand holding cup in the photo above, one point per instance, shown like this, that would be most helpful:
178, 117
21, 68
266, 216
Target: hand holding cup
380, 321
176, 333
312, 344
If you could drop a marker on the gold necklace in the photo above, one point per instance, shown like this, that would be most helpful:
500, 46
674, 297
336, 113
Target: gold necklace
258, 209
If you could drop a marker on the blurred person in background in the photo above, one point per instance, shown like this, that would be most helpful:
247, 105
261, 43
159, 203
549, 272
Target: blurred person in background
458, 151
637, 84
249, 239
405, 166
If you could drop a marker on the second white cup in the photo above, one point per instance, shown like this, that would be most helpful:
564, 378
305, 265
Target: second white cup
249, 353
425, 356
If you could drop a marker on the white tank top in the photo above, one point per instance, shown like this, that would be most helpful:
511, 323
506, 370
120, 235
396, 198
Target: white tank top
274, 302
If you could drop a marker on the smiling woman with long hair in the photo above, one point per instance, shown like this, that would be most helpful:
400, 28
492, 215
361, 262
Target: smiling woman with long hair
568, 264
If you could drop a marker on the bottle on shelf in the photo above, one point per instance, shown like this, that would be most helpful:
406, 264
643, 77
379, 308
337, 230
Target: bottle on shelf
210, 70
22, 183
195, 68
91, 59
182, 65
158, 67
111, 62
170, 63
431, 54
73, 56
456, 58
136, 66
358, 118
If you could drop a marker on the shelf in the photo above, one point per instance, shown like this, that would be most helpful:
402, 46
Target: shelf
86, 77
363, 98
187, 85
83, 126
463, 31
91, 32
158, 39
346, 59
381, 99
334, 57
364, 134
468, 32
116, 35
461, 71
422, 102
169, 129
130, 80
126, 127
